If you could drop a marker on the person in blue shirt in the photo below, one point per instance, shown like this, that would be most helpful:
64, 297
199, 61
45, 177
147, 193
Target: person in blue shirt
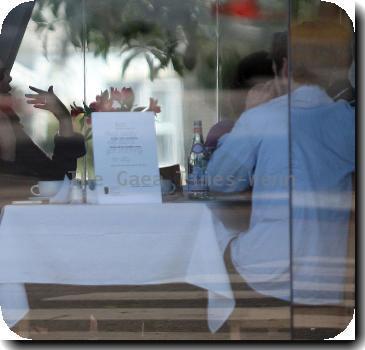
297, 152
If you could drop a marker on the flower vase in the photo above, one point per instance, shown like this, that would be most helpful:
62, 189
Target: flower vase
90, 169
85, 171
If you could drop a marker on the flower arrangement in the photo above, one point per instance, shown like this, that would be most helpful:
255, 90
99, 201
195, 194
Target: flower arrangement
112, 100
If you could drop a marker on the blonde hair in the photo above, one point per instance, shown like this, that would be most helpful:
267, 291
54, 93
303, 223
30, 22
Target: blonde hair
320, 52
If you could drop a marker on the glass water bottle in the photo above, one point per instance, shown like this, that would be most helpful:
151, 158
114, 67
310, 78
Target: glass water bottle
197, 165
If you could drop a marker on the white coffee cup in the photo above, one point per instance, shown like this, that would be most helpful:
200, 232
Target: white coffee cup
46, 188
167, 187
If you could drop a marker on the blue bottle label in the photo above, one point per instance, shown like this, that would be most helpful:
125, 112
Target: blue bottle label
198, 148
197, 181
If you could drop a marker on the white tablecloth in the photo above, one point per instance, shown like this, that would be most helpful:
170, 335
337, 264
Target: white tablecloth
112, 245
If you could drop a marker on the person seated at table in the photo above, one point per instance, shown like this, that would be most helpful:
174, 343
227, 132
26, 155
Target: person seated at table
301, 177
19, 155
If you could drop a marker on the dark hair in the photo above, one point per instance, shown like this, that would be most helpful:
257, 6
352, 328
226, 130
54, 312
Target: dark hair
279, 49
2, 73
253, 66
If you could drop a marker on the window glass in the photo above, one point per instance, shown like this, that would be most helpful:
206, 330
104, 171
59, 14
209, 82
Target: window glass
266, 89
36, 143
251, 155
322, 139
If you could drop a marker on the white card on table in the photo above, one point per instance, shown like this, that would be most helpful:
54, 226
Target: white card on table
125, 157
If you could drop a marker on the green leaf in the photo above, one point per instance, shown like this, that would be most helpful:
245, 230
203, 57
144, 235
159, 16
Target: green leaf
139, 109
38, 17
128, 60
76, 41
88, 133
161, 56
151, 66
177, 64
55, 5
82, 122
87, 109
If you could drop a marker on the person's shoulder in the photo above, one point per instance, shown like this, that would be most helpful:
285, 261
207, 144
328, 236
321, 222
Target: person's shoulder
337, 117
342, 110
346, 106
267, 112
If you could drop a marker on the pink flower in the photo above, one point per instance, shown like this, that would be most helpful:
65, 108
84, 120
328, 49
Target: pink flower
154, 107
127, 98
76, 110
107, 106
103, 103
115, 94
95, 107
118, 100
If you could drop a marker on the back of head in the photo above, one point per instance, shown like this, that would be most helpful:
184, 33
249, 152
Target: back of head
320, 52
253, 69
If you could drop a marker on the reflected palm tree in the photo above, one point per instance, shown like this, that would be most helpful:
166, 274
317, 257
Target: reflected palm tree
164, 31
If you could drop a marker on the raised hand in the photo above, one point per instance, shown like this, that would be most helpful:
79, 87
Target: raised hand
48, 101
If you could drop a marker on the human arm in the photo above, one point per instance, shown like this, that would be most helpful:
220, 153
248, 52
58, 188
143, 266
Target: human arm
68, 145
232, 165
49, 101
216, 132
31, 160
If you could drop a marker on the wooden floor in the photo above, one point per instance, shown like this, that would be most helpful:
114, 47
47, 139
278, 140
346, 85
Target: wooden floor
172, 312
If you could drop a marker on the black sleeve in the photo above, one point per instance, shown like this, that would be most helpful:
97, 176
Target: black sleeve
66, 152
32, 161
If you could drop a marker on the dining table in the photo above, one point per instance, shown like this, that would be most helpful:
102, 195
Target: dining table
178, 241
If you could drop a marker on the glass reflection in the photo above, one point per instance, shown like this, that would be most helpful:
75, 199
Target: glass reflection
279, 178
36, 143
322, 167
249, 159
153, 47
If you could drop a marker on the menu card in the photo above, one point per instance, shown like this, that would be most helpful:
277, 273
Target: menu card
125, 157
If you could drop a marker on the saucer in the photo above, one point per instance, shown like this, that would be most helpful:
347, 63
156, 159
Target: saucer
38, 198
